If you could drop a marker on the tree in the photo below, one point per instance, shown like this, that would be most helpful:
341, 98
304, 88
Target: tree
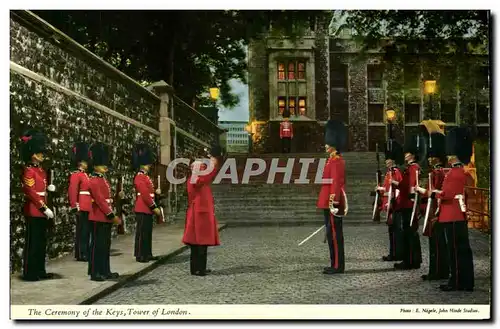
191, 50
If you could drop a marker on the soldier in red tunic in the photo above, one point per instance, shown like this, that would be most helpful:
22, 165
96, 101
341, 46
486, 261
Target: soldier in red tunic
438, 255
332, 198
201, 229
101, 216
80, 201
145, 206
393, 156
412, 253
452, 211
286, 132
36, 212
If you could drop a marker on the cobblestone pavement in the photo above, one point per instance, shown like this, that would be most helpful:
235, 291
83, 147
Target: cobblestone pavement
265, 265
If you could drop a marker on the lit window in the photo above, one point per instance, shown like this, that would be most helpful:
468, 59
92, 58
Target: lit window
281, 71
281, 105
302, 105
291, 105
291, 71
301, 71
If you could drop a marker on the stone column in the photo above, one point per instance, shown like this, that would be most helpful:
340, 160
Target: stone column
166, 93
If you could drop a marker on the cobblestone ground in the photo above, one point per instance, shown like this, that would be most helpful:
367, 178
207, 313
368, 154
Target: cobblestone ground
265, 265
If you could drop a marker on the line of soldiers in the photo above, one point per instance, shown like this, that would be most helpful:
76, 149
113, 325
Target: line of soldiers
91, 201
442, 201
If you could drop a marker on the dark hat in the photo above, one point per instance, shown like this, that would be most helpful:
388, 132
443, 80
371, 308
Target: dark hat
99, 154
286, 113
436, 146
79, 153
394, 151
416, 145
336, 135
33, 141
142, 154
459, 143
214, 151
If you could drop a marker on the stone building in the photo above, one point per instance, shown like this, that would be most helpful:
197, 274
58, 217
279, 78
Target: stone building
237, 136
324, 75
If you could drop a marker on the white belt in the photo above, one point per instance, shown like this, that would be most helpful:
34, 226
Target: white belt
386, 194
109, 200
150, 194
85, 192
41, 193
284, 129
461, 201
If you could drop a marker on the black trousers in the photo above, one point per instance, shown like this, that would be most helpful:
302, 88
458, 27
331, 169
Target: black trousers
412, 251
396, 235
100, 248
335, 238
82, 235
35, 247
198, 261
439, 266
143, 236
286, 144
460, 254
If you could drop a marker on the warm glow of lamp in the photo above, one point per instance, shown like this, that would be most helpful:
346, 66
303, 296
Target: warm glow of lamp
391, 114
430, 86
248, 128
214, 93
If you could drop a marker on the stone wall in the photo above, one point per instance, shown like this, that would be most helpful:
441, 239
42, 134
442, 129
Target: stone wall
72, 95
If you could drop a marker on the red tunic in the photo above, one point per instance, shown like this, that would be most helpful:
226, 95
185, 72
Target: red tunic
201, 226
334, 170
101, 200
286, 129
35, 190
144, 203
397, 176
406, 185
385, 195
79, 191
453, 185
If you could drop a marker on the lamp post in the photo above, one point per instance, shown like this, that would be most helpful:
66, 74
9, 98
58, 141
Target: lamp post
214, 95
430, 89
391, 116
250, 137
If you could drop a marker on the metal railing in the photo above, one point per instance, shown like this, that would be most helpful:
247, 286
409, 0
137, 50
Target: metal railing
478, 208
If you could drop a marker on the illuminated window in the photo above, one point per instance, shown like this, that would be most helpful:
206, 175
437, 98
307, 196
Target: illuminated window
302, 106
301, 71
291, 70
281, 105
281, 71
291, 105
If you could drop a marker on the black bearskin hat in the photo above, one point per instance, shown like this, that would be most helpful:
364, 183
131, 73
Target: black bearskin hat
214, 151
99, 154
336, 135
394, 151
79, 153
32, 142
142, 155
416, 145
436, 146
459, 144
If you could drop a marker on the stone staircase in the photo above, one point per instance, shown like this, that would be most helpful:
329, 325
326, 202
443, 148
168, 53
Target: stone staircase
260, 203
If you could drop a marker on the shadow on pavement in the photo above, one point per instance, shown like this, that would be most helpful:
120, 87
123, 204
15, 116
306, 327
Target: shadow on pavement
178, 259
238, 270
137, 283
370, 270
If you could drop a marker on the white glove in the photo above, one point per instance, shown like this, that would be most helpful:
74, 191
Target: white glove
397, 193
51, 188
158, 191
420, 190
380, 188
395, 182
49, 213
334, 210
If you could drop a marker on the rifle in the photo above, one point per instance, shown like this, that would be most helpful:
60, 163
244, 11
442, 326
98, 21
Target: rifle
378, 196
50, 203
119, 203
416, 203
429, 205
158, 197
389, 197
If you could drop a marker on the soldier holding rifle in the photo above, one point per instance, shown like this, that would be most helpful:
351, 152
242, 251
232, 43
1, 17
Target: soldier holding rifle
36, 211
145, 205
101, 216
438, 257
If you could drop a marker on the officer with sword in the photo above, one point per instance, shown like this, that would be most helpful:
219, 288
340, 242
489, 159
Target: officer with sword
452, 211
332, 198
410, 204
145, 205
438, 256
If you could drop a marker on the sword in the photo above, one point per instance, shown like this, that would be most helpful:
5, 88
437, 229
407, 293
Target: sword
161, 208
375, 205
415, 202
429, 203
310, 236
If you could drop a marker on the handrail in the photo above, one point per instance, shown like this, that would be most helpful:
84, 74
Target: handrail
478, 207
194, 110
